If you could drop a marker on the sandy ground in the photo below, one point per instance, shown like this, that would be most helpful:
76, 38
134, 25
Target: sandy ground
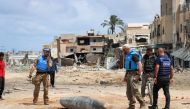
103, 85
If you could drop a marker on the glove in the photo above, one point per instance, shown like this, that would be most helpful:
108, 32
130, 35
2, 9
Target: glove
137, 78
30, 76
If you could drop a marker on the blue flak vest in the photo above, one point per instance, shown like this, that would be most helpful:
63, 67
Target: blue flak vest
42, 64
165, 65
131, 65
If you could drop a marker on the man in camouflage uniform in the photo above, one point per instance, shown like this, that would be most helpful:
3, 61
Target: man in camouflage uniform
148, 64
133, 68
42, 65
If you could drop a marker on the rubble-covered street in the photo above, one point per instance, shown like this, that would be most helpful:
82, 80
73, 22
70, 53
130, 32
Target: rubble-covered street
101, 84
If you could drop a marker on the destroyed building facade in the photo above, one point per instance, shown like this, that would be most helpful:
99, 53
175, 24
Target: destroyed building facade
171, 29
89, 43
138, 34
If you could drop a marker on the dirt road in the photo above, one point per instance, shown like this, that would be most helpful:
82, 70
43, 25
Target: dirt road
69, 83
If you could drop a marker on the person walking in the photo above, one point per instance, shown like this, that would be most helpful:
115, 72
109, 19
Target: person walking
52, 72
42, 65
163, 77
2, 75
133, 68
148, 68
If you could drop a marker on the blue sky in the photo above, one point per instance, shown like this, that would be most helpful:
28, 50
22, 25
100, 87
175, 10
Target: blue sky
28, 24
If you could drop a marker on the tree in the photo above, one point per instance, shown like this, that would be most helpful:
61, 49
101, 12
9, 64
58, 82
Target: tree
112, 23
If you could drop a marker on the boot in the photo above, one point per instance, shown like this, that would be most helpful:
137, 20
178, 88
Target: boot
153, 107
34, 102
142, 105
46, 103
131, 107
1, 98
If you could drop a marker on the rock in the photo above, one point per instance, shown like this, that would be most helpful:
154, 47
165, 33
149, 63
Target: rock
67, 62
104, 82
92, 59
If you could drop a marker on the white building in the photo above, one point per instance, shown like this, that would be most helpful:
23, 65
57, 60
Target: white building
138, 33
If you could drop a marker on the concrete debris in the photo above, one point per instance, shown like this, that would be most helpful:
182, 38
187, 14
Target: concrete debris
104, 82
81, 102
7, 92
67, 62
111, 63
92, 59
18, 69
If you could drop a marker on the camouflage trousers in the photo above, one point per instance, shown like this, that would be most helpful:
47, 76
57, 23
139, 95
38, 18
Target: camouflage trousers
145, 77
41, 77
132, 89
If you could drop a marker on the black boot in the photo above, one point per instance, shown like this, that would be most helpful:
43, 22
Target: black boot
153, 107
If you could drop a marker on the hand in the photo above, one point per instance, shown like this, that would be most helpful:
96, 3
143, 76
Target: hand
48, 58
171, 81
155, 80
137, 78
125, 79
30, 76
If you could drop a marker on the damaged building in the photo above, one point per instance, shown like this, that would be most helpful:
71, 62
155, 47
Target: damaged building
138, 34
171, 30
72, 48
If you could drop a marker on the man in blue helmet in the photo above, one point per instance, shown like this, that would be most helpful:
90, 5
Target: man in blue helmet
133, 68
42, 65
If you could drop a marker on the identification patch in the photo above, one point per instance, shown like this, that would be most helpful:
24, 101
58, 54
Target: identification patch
166, 64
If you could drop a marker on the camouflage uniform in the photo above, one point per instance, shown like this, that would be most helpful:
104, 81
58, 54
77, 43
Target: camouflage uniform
41, 77
132, 90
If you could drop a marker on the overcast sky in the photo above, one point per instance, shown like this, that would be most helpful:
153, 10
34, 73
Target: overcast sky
28, 24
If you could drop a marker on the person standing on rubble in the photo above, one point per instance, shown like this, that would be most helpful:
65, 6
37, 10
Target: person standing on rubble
52, 72
2, 75
163, 77
42, 65
148, 68
133, 68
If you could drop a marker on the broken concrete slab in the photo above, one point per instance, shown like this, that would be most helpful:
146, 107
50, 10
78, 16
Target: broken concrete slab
111, 63
92, 59
81, 102
67, 62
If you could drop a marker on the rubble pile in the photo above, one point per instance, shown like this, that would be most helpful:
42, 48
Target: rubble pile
18, 69
90, 75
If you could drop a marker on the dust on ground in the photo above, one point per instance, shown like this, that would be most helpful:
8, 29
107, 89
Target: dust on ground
101, 84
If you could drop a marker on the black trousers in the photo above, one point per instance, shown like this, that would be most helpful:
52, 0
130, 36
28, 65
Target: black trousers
52, 78
162, 82
2, 85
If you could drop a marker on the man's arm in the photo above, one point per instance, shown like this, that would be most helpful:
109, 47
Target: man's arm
157, 66
33, 68
31, 71
56, 68
143, 63
139, 67
49, 62
136, 59
171, 72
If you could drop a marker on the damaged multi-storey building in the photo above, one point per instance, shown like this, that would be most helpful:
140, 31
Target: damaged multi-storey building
171, 30
78, 46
